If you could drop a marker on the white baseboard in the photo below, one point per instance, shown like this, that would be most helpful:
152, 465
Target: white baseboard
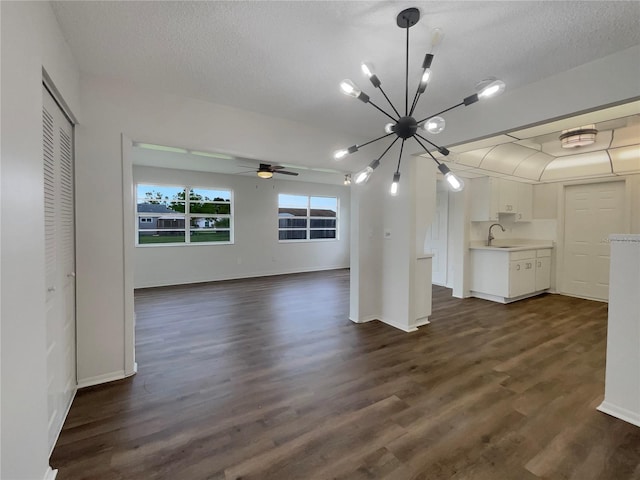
50, 474
66, 413
364, 319
98, 379
620, 412
273, 273
422, 321
404, 328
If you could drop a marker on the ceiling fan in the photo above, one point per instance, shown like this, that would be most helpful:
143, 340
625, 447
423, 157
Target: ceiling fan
266, 171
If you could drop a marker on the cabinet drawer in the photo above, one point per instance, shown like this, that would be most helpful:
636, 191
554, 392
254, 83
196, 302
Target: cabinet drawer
522, 255
543, 253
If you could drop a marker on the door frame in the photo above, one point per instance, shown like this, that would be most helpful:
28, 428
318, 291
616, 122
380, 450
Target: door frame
128, 242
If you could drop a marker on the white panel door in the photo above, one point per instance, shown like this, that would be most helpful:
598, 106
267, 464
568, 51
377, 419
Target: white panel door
436, 238
59, 262
592, 213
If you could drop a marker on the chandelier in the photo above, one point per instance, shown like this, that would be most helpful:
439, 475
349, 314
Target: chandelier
406, 126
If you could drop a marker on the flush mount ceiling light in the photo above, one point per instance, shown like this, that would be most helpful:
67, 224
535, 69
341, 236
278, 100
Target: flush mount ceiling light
578, 137
406, 126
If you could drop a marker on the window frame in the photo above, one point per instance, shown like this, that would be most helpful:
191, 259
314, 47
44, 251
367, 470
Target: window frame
187, 216
308, 218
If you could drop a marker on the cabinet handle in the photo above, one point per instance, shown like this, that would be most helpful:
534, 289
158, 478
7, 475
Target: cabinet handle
519, 216
51, 289
518, 267
528, 265
539, 264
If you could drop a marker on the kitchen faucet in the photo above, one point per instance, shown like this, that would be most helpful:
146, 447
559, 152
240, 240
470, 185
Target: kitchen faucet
491, 237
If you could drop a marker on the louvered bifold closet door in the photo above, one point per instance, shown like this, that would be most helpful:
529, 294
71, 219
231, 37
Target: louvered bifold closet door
59, 262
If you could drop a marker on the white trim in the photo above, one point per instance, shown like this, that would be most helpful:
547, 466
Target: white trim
413, 328
66, 414
422, 323
364, 319
104, 378
58, 98
499, 299
128, 231
620, 412
50, 474
251, 275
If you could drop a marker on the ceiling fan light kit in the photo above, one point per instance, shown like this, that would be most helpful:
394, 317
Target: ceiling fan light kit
406, 126
267, 171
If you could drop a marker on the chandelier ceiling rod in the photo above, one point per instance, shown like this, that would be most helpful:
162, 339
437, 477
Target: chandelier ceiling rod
406, 126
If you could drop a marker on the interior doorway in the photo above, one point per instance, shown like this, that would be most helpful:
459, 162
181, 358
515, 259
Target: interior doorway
437, 236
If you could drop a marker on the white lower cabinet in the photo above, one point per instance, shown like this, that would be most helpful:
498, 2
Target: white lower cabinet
505, 276
543, 270
522, 277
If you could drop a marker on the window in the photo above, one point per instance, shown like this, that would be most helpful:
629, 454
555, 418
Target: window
307, 218
165, 216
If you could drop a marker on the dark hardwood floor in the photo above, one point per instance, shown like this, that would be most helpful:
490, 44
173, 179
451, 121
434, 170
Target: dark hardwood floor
267, 378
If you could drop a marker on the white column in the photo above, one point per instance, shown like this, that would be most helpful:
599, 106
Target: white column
622, 385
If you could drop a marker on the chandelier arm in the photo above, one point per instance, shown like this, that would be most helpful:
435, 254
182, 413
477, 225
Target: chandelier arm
440, 113
415, 137
388, 148
375, 140
400, 156
390, 103
381, 110
440, 149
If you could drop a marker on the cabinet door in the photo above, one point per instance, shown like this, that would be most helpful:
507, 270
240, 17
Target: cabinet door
543, 273
485, 194
522, 277
508, 196
525, 202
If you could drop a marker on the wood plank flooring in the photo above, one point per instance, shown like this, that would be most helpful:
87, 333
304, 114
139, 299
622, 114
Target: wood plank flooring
267, 378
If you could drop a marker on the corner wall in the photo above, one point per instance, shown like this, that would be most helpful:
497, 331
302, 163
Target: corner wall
31, 41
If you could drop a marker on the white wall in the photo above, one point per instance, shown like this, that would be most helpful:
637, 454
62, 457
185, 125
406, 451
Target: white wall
256, 250
111, 109
31, 41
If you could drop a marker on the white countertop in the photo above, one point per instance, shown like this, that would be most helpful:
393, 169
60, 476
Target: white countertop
514, 245
624, 237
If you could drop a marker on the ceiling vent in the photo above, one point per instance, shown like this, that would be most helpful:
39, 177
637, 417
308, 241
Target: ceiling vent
578, 137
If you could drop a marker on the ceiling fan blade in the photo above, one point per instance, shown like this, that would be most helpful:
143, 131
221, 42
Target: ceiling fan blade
276, 167
285, 172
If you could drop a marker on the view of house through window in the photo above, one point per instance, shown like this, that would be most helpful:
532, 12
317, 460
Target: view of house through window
307, 218
165, 216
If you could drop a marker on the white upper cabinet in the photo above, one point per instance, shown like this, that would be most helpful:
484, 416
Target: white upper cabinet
524, 202
494, 196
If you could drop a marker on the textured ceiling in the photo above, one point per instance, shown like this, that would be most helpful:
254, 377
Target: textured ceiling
286, 59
